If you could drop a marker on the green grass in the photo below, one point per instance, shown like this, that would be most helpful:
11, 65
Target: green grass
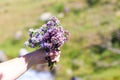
85, 25
110, 74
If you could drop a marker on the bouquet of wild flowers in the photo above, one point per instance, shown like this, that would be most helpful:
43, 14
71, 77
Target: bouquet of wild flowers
51, 36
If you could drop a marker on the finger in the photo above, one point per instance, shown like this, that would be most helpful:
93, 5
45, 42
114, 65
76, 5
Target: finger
56, 58
50, 54
52, 57
55, 53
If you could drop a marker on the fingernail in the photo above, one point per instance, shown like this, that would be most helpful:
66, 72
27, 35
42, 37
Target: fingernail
53, 60
57, 60
50, 54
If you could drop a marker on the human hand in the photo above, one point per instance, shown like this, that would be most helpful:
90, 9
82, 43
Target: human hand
54, 56
39, 56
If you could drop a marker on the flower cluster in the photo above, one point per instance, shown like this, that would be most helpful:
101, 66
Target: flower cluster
50, 36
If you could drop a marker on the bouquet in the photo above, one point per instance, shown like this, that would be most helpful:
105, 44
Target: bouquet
50, 36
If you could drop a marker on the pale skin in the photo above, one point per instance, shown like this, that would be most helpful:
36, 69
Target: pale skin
12, 69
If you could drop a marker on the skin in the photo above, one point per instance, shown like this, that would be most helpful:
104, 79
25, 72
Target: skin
12, 69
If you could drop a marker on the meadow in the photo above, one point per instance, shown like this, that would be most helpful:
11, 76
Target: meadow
92, 52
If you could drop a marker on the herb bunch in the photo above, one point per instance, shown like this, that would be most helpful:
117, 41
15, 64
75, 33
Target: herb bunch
50, 36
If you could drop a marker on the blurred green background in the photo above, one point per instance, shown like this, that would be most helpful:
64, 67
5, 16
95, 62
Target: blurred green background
93, 50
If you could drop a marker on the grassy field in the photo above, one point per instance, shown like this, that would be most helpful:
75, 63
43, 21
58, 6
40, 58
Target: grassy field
88, 22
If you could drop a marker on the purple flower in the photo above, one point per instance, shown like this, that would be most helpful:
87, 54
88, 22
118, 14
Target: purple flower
50, 36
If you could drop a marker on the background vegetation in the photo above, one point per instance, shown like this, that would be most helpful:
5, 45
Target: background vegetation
92, 52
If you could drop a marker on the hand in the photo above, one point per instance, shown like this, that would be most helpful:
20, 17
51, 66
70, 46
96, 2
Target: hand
55, 56
38, 57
